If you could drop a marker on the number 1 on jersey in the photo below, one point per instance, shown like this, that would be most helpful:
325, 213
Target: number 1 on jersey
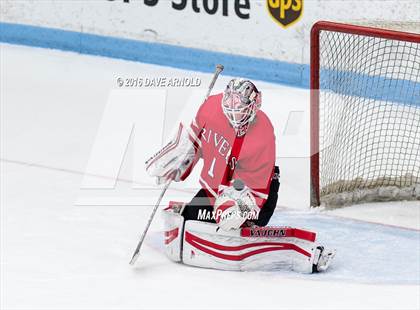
211, 170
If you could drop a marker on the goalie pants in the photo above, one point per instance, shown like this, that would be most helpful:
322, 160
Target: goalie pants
201, 202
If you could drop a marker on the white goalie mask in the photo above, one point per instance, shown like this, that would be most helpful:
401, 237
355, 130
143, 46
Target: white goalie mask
241, 101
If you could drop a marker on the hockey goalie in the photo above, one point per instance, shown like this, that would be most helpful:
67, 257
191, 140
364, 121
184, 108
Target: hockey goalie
224, 225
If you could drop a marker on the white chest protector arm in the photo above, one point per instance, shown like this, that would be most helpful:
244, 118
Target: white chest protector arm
174, 160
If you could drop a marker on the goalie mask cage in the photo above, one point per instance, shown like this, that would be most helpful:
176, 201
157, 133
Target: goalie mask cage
365, 114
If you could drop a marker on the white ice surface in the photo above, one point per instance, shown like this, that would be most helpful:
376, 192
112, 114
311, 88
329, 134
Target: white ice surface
398, 213
56, 254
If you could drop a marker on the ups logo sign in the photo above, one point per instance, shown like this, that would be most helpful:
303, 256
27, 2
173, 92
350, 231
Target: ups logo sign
285, 12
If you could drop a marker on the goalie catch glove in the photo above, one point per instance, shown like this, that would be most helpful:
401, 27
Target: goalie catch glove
175, 160
235, 205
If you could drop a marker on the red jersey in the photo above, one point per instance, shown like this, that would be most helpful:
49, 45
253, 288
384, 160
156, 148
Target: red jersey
250, 158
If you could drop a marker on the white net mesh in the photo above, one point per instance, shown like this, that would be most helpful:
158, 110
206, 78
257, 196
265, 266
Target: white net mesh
369, 119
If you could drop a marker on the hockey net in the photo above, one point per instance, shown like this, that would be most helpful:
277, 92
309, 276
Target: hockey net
365, 115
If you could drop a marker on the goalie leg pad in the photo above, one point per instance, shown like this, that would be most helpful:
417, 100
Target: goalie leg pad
204, 245
174, 230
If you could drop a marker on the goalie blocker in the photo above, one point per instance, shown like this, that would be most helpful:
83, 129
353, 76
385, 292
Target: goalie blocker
202, 244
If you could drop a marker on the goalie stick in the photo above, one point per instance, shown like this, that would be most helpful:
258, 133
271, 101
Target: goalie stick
219, 69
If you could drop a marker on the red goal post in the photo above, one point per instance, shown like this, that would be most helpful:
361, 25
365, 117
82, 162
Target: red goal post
365, 101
